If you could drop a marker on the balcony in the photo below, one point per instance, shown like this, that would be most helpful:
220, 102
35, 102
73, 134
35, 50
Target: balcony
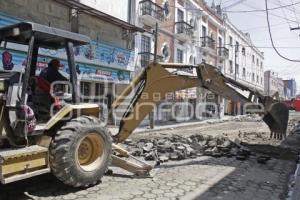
223, 53
184, 31
208, 42
151, 13
146, 58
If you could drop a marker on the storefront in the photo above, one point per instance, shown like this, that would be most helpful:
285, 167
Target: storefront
102, 68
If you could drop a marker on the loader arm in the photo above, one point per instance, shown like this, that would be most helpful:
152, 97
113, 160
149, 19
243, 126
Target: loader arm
158, 79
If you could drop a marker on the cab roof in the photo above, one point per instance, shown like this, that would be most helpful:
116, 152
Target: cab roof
46, 37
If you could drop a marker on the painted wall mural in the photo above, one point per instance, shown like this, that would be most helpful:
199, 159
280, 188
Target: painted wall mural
99, 54
16, 60
106, 55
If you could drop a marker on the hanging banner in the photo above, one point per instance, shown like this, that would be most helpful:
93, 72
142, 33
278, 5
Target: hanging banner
16, 61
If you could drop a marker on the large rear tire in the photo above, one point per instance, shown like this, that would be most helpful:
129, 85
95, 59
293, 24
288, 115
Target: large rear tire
80, 152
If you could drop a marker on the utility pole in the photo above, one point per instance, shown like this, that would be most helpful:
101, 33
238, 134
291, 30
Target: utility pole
155, 42
151, 114
236, 50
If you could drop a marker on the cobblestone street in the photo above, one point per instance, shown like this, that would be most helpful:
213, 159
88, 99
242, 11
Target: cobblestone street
149, 100
201, 178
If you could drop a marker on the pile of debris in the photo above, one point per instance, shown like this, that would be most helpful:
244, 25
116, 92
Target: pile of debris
295, 126
248, 118
179, 148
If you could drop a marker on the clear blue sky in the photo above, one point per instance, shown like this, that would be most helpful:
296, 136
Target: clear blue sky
256, 24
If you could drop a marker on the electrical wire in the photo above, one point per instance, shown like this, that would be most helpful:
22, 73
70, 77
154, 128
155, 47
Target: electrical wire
271, 37
234, 4
262, 27
295, 13
283, 12
241, 11
228, 1
253, 46
273, 15
263, 10
250, 11
280, 4
280, 38
243, 30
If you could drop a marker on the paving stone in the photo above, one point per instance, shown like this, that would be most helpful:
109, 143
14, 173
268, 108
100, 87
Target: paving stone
178, 191
81, 198
149, 195
165, 187
157, 191
137, 192
69, 197
92, 195
189, 183
170, 194
82, 192
140, 198
185, 187
162, 198
173, 184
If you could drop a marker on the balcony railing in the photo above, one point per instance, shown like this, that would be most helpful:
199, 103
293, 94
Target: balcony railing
147, 7
184, 28
208, 42
146, 58
223, 52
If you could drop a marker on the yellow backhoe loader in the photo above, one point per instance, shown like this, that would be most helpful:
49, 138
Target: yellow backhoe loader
72, 143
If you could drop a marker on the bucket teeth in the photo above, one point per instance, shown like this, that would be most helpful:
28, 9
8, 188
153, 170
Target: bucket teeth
279, 135
276, 118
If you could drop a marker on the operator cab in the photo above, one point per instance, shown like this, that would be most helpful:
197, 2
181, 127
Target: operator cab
26, 96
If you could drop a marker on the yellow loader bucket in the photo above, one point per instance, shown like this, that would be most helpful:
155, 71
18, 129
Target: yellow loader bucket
276, 117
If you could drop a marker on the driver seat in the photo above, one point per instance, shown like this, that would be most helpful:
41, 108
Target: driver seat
42, 99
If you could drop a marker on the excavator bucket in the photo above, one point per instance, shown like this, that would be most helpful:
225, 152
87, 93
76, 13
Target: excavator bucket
276, 117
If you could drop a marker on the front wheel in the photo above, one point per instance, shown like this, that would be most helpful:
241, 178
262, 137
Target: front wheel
80, 152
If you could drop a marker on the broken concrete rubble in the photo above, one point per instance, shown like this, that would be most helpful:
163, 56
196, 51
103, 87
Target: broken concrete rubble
179, 148
296, 128
248, 118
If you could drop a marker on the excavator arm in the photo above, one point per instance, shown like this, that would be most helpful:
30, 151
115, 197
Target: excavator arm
158, 79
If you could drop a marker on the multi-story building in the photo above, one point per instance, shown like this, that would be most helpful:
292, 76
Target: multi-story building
281, 86
276, 86
192, 32
245, 62
271, 82
291, 91
211, 46
174, 42
212, 36
151, 13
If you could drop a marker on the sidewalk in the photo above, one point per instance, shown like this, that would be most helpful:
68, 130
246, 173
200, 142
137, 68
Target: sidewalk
172, 125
